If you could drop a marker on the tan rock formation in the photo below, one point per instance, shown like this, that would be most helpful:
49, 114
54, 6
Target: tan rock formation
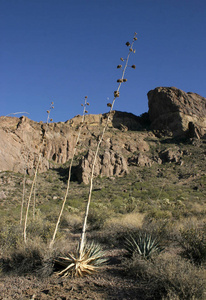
109, 164
172, 109
23, 139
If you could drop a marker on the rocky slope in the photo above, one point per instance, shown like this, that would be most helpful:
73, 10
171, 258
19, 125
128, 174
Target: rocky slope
126, 142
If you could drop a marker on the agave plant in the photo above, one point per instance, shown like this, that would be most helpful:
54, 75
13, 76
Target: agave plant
143, 244
89, 261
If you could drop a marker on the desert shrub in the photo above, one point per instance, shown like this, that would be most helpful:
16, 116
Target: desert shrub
157, 213
193, 242
40, 228
163, 228
71, 222
97, 217
116, 229
169, 277
10, 236
32, 258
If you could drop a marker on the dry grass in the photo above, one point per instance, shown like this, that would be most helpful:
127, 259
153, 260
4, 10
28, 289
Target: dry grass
169, 277
131, 220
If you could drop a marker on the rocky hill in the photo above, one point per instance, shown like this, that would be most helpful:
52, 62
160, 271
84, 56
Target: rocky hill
127, 141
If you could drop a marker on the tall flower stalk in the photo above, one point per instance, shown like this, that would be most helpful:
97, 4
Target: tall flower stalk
70, 171
89, 258
29, 200
49, 111
33, 186
111, 105
23, 196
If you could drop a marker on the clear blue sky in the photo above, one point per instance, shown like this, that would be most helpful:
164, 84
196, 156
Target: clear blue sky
63, 50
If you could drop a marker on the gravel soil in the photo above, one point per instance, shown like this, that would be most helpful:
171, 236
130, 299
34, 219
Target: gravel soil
110, 283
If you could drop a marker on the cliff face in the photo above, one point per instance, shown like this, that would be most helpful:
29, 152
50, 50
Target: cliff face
126, 141
23, 139
176, 111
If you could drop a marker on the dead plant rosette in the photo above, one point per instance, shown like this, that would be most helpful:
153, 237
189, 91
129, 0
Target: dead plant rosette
82, 264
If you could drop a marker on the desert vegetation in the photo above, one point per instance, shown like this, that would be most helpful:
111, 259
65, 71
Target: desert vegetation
137, 236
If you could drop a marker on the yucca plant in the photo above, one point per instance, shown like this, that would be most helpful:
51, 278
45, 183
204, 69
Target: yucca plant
143, 244
111, 105
89, 257
91, 261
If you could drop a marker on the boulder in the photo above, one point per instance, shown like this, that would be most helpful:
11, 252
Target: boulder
178, 112
170, 155
141, 160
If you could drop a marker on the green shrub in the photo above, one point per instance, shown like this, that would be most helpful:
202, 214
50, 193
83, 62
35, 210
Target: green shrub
40, 228
10, 236
97, 217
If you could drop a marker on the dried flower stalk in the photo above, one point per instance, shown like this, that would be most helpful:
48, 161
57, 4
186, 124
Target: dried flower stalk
116, 94
29, 200
69, 176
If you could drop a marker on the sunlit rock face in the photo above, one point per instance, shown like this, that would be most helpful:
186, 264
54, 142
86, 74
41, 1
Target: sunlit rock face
176, 111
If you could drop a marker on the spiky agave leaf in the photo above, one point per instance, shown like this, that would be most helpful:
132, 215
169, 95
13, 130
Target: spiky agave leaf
143, 244
81, 264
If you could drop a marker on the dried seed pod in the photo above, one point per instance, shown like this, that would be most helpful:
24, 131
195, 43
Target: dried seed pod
86, 111
130, 49
122, 59
48, 111
52, 103
86, 97
135, 38
134, 51
116, 94
51, 120
119, 80
124, 80
82, 105
87, 103
119, 66
127, 44
109, 104
133, 67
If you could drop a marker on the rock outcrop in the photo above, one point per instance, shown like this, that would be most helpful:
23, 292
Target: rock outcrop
22, 140
125, 143
109, 164
183, 114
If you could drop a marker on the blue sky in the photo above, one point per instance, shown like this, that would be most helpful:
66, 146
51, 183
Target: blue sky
64, 50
